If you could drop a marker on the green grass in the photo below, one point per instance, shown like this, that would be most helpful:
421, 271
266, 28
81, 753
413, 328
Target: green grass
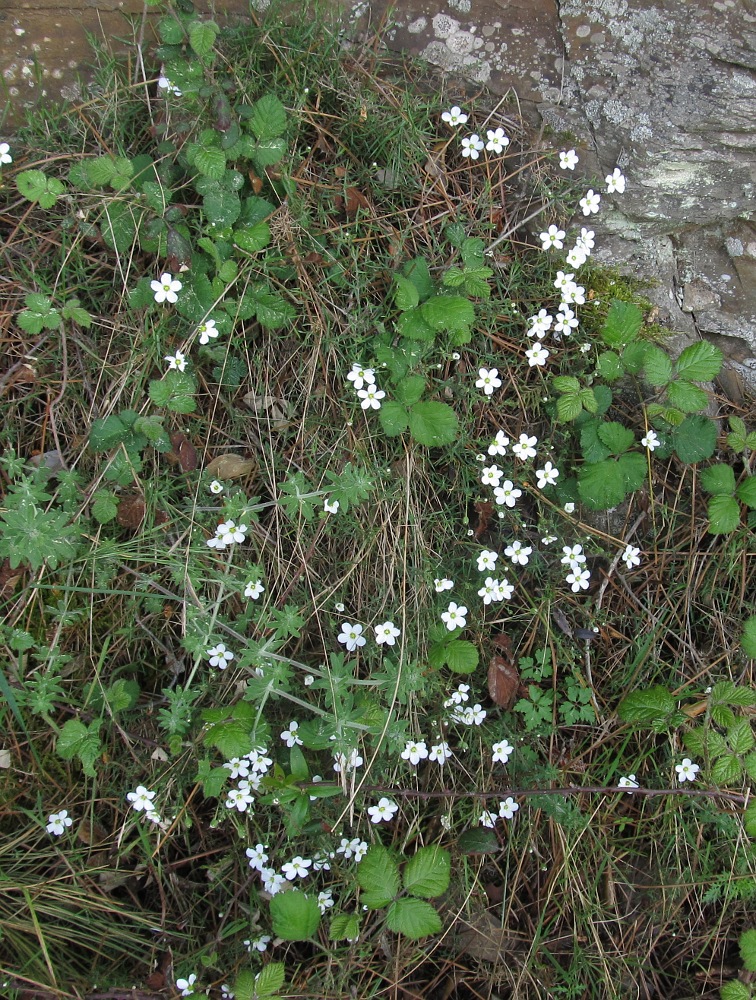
583, 893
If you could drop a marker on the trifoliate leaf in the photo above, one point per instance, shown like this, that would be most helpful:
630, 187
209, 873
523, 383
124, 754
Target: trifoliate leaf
622, 324
699, 362
566, 383
295, 915
695, 438
433, 423
724, 515
175, 391
718, 479
414, 918
569, 406
378, 876
427, 873
36, 186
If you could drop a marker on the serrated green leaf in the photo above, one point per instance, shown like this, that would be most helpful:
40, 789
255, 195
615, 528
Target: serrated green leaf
461, 656
622, 324
749, 818
378, 875
74, 312
616, 437
593, 449
414, 918
36, 186
718, 479
222, 207
633, 356
724, 716
695, 439
118, 226
77, 740
433, 424
566, 383
448, 312
267, 119
634, 470
746, 492
569, 406
212, 779
394, 418
175, 391
686, 396
107, 432
724, 515
253, 239
735, 990
589, 400
202, 35
417, 272
410, 389
269, 152
610, 366
344, 927
406, 295
726, 770
295, 915
427, 873
749, 765
122, 695
479, 841
729, 693
273, 311
650, 706
740, 736
171, 31
657, 366
699, 362
748, 638
104, 506
601, 485
269, 980
210, 161
411, 324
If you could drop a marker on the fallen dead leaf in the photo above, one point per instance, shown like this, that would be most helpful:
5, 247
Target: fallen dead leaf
182, 452
131, 512
484, 509
230, 466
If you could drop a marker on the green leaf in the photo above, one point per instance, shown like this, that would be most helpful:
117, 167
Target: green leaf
104, 506
122, 695
412, 324
633, 357
394, 418
273, 311
414, 918
448, 312
686, 396
427, 873
211, 778
35, 186
695, 438
749, 819
479, 841
735, 990
74, 312
202, 35
634, 470
593, 449
418, 273
652, 706
699, 362
657, 366
267, 119
253, 239
566, 383
269, 152
602, 485
406, 295
726, 770
433, 423
171, 31
76, 740
175, 391
118, 226
378, 876
569, 406
107, 432
622, 324
616, 437
295, 915
748, 638
344, 927
746, 492
269, 980
222, 207
39, 314
729, 693
410, 389
724, 515
210, 161
610, 366
740, 737
460, 655
718, 479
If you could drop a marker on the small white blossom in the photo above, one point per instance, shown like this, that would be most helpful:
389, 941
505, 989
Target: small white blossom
325, 900
590, 203
176, 361
331, 506
615, 181
141, 799
568, 159
257, 856
540, 324
414, 752
650, 441
547, 476
57, 822
524, 447
220, 656
386, 633
289, 736
586, 240
631, 556
216, 487
491, 475
371, 397
687, 771
273, 881
347, 764
5, 154
170, 88
166, 289
239, 798
487, 560
296, 868
507, 495
553, 237
440, 753
508, 808
360, 376
497, 140
537, 355
576, 257
579, 579
186, 985
351, 636
499, 444
518, 553
488, 819
628, 782
454, 617
253, 589
454, 116
488, 380
383, 812
239, 767
502, 751
442, 584
207, 331
472, 145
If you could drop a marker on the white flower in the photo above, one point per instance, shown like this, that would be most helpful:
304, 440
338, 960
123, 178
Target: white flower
459, 696
442, 584
454, 116
351, 636
176, 361
590, 203
563, 280
360, 376
296, 868
506, 494
186, 985
440, 753
260, 763
170, 88
141, 799
289, 736
566, 321
497, 141
215, 487
488, 380
518, 553
371, 397
540, 324
573, 555
474, 716
568, 159
273, 881
585, 240
504, 590
257, 856
387, 632
502, 751
525, 447
220, 656
347, 764
383, 812
207, 331
331, 506
569, 507
508, 808
615, 181
259, 944
490, 590
548, 539
471, 146
454, 617
537, 355
631, 556
576, 257
226, 992
579, 579
687, 771
491, 475
487, 560
547, 476
238, 767
573, 293
628, 782
5, 156
650, 441
499, 444
253, 589
553, 237
166, 289
585, 347
56, 822
414, 752
325, 900
239, 798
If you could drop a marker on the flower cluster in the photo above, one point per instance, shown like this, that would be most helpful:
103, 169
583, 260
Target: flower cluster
472, 145
250, 769
226, 534
351, 635
5, 154
141, 801
363, 380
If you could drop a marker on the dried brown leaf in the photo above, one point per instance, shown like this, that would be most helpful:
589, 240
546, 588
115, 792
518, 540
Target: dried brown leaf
183, 452
230, 466
131, 512
503, 681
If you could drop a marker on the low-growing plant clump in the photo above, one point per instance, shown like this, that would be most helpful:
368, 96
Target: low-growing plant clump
375, 582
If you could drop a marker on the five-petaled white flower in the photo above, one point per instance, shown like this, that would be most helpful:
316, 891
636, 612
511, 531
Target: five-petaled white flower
472, 145
257, 856
166, 289
331, 506
347, 764
573, 555
239, 798
540, 324
563, 280
537, 355
590, 203
553, 237
490, 590
687, 771
230, 532
454, 116
615, 181
547, 476
491, 475
487, 560
631, 556
497, 140
216, 487
361, 376
499, 444
170, 88
518, 553
585, 241
383, 812
187, 985
371, 397
524, 447
176, 361
502, 751
440, 753
325, 900
414, 752
568, 159
57, 822
351, 636
565, 320
471, 716
576, 257
141, 799
273, 881
442, 584
259, 943
488, 380
573, 293
296, 868
455, 616
508, 808
238, 766
506, 494
387, 632
253, 589
220, 656
488, 819
459, 696
628, 782
207, 331
579, 579
290, 737
650, 441
5, 156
